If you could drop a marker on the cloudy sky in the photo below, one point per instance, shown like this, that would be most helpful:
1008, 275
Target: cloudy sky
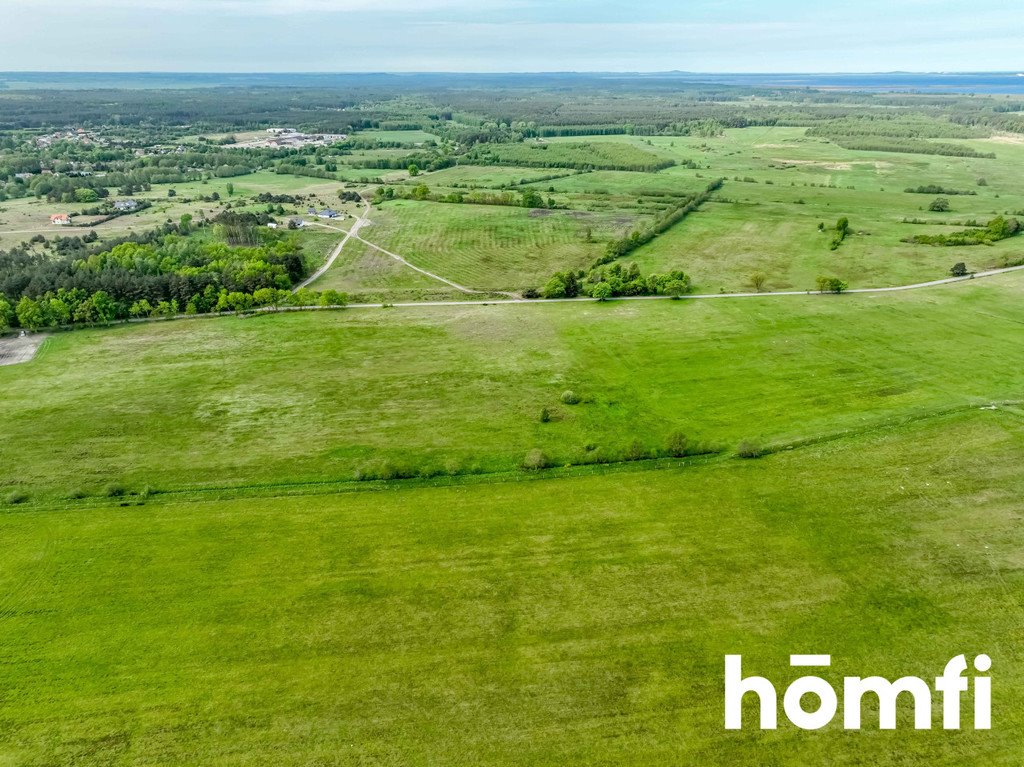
511, 35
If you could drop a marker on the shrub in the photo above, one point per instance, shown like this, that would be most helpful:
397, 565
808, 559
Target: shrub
636, 451
959, 269
758, 280
15, 497
545, 415
748, 449
678, 444
939, 205
570, 398
831, 285
76, 494
535, 460
113, 491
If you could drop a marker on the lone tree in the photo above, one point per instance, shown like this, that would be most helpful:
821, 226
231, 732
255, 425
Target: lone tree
959, 269
939, 205
758, 281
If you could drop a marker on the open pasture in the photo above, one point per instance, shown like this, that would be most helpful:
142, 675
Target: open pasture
331, 396
580, 620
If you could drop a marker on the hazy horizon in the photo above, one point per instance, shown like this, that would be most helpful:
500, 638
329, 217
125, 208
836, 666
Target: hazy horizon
509, 36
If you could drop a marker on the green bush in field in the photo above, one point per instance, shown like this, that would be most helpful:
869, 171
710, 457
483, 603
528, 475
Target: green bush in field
535, 460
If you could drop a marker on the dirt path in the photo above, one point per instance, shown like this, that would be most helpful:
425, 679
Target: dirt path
353, 233
358, 224
18, 349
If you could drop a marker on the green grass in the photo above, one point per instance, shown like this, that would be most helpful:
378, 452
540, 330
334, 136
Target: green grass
485, 177
402, 136
491, 247
367, 275
542, 153
772, 227
311, 397
571, 621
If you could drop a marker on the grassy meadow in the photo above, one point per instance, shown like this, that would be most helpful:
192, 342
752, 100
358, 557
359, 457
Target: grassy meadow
446, 390
574, 621
527, 534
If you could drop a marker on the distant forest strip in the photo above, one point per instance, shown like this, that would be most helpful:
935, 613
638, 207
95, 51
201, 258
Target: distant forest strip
576, 156
908, 146
636, 239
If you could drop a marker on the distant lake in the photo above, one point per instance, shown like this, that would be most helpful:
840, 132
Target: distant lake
943, 82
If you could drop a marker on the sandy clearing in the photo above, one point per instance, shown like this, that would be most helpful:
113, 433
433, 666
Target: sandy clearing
1007, 138
15, 349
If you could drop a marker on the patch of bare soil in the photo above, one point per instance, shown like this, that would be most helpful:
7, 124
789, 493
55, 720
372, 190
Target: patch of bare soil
17, 349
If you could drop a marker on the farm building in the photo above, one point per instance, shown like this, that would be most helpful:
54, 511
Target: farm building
60, 219
126, 206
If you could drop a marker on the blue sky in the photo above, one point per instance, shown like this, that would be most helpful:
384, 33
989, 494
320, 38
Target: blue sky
511, 35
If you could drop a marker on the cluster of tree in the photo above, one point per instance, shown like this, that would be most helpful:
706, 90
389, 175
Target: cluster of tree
999, 228
831, 285
615, 280
527, 198
348, 196
77, 307
167, 269
839, 234
909, 146
276, 199
937, 189
577, 156
637, 238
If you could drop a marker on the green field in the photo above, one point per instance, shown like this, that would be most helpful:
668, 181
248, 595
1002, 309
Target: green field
495, 532
368, 275
571, 621
492, 247
314, 397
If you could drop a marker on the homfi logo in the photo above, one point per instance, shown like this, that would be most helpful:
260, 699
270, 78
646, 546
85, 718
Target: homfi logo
951, 685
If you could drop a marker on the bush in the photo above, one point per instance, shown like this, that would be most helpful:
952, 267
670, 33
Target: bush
570, 398
535, 460
15, 497
76, 494
545, 415
113, 491
636, 451
748, 449
678, 444
959, 269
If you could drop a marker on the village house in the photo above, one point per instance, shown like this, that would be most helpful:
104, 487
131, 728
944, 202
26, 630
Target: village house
60, 219
126, 206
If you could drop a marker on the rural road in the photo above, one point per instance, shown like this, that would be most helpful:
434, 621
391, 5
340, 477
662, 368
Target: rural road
13, 352
697, 297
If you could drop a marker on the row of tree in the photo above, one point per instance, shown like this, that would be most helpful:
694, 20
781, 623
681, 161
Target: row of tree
640, 237
616, 280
